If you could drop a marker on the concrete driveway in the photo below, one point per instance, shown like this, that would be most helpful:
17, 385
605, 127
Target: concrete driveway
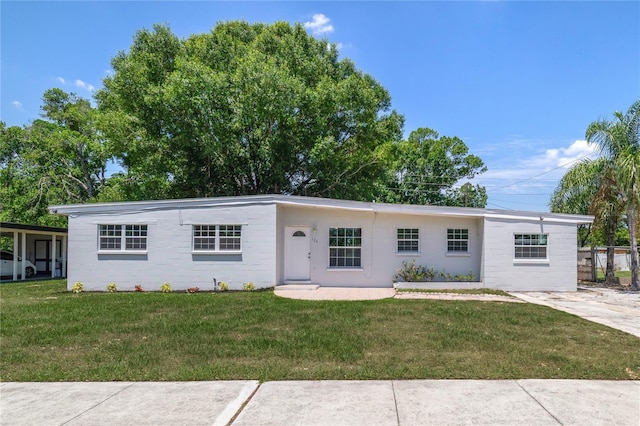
613, 308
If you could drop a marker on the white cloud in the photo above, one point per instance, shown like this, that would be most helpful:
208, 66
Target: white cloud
563, 157
82, 84
78, 83
319, 24
523, 173
17, 105
535, 173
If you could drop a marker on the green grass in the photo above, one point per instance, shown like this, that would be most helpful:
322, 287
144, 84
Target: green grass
621, 274
48, 334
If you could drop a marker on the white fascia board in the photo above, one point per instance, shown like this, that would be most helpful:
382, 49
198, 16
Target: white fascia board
544, 217
141, 206
428, 210
129, 207
424, 210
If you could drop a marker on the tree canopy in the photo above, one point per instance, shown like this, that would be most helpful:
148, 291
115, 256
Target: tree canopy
247, 109
57, 159
242, 109
427, 167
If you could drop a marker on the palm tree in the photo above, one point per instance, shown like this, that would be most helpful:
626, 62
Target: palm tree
619, 141
589, 188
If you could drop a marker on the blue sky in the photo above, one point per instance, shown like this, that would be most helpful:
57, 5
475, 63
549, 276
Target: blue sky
519, 82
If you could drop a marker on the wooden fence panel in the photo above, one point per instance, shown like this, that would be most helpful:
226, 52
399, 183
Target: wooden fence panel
586, 264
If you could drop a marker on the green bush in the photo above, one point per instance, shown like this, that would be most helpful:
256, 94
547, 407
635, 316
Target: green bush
466, 277
410, 272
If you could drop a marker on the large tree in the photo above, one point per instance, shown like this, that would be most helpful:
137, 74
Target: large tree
619, 141
58, 159
428, 168
245, 109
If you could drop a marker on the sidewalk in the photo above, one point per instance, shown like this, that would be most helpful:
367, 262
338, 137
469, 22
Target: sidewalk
380, 402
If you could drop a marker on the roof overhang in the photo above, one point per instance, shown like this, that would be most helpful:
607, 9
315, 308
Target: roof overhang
5, 226
313, 202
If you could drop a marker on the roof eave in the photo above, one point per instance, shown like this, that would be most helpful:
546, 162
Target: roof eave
314, 202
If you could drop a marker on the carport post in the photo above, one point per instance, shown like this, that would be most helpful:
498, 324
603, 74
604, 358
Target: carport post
63, 255
15, 255
53, 255
23, 255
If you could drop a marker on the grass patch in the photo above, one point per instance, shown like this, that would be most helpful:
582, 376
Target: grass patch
456, 291
48, 334
600, 273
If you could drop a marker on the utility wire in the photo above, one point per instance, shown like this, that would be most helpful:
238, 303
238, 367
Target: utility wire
548, 171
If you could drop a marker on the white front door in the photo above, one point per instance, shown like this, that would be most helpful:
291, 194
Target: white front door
297, 258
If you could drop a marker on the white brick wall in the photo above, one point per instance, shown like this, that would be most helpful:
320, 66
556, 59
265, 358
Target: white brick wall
501, 271
379, 244
169, 256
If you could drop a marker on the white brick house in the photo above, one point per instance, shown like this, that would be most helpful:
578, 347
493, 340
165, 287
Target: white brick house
277, 239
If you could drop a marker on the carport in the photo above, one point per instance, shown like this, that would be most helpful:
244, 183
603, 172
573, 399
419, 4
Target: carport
44, 246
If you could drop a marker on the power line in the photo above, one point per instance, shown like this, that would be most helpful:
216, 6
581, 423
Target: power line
424, 181
519, 202
548, 171
499, 206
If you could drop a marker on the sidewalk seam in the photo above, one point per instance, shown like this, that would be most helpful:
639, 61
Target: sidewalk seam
539, 403
244, 404
99, 403
395, 401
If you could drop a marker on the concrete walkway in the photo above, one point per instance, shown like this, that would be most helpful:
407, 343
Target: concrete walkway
403, 402
315, 292
613, 308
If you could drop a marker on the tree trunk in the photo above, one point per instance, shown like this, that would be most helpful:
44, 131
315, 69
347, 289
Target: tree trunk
633, 240
610, 276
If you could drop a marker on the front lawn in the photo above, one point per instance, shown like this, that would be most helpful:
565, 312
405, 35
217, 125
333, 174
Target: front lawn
47, 334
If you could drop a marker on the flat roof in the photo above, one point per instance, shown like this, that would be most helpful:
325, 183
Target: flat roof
314, 202
24, 227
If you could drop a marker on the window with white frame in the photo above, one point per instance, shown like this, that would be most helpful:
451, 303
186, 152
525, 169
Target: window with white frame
457, 240
217, 238
530, 246
408, 240
204, 237
122, 237
345, 247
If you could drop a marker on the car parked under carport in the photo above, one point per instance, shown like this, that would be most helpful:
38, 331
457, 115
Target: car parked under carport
7, 260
